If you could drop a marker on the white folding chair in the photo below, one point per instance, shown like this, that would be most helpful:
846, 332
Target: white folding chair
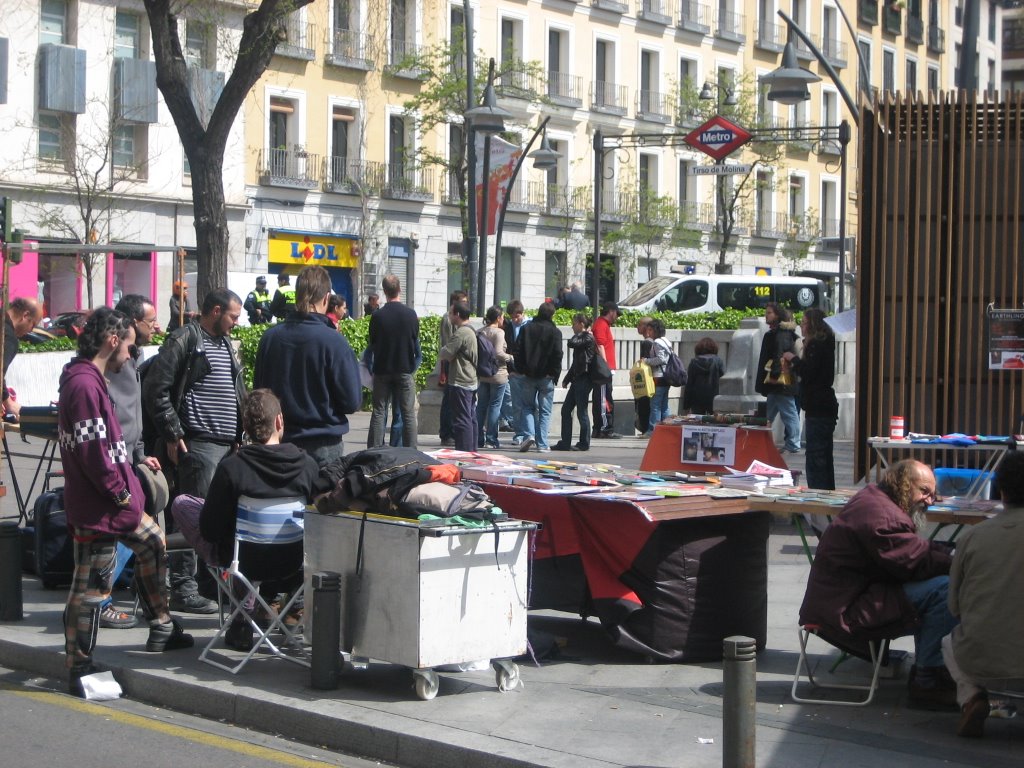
877, 650
258, 521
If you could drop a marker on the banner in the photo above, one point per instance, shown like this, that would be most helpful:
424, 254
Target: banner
503, 160
1005, 339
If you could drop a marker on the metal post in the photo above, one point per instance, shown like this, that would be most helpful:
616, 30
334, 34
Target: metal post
844, 142
10, 572
471, 224
738, 702
598, 193
481, 286
326, 655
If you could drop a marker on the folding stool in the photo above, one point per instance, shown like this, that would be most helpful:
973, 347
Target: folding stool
876, 652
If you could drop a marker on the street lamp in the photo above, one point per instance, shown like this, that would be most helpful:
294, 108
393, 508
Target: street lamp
707, 93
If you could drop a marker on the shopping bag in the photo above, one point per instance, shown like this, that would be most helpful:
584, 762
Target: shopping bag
641, 380
784, 379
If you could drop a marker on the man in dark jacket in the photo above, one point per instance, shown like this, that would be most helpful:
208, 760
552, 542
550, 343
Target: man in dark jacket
874, 577
575, 299
769, 378
538, 356
393, 341
312, 369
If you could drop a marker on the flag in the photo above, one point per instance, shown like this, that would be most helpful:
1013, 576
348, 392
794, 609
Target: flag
504, 156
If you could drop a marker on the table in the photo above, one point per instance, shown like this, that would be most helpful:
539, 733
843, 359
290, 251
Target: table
665, 449
992, 453
661, 576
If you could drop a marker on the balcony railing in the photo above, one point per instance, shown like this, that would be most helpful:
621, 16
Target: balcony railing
406, 181
867, 12
654, 11
835, 50
937, 39
770, 36
696, 216
915, 30
293, 168
769, 224
560, 199
892, 20
353, 177
565, 89
403, 59
350, 49
298, 42
609, 98
652, 106
518, 82
618, 203
615, 6
695, 17
729, 26
829, 228
525, 198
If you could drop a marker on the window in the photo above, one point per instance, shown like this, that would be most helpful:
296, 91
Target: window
280, 136
865, 56
123, 142
403, 29
888, 70
553, 277
197, 52
911, 76
933, 78
343, 123
457, 22
957, 60
830, 30
604, 74
650, 82
797, 199
958, 13
344, 13
559, 81
798, 114
648, 174
991, 21
52, 144
400, 148
556, 177
507, 272
127, 36
763, 203
687, 182
829, 107
829, 225
511, 40
399, 251
991, 77
53, 22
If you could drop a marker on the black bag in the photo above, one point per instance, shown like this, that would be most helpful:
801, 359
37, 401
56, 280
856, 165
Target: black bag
599, 371
54, 557
674, 374
486, 357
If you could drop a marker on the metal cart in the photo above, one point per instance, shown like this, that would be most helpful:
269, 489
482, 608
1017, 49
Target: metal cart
425, 594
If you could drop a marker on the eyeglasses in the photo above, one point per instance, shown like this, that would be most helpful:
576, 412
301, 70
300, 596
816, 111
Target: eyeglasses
150, 321
928, 493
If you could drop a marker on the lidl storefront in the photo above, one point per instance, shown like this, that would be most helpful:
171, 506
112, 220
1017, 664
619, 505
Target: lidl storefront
289, 251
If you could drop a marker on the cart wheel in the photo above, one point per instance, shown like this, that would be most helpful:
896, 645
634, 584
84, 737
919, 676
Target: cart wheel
507, 677
427, 683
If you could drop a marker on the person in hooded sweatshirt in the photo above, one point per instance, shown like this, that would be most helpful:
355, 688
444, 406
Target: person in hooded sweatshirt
702, 375
265, 469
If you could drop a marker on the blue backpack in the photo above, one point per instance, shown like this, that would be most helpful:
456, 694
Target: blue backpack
486, 357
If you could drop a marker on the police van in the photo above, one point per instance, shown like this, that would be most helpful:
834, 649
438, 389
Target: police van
713, 293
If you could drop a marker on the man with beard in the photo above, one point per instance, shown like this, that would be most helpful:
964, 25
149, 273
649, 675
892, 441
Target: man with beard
875, 577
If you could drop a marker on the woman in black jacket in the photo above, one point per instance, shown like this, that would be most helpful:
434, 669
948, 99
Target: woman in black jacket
580, 386
816, 368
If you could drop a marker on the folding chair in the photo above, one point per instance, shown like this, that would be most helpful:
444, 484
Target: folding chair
874, 651
271, 522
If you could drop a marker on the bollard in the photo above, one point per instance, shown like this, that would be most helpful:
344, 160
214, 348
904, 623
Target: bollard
738, 702
323, 668
10, 573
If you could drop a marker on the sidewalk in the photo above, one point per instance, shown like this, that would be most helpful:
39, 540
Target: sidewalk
594, 706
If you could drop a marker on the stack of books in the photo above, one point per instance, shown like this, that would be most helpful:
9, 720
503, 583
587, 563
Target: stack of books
757, 478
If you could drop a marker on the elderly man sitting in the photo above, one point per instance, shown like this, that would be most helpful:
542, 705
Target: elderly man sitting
875, 577
986, 651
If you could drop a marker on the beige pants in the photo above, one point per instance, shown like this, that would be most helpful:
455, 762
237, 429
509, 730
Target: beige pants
966, 687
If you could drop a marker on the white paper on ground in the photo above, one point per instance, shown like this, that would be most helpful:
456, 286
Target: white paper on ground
101, 687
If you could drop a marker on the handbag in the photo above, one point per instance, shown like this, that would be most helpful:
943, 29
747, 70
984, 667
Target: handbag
784, 379
641, 380
599, 371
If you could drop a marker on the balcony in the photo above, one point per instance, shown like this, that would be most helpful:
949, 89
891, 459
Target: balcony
610, 5
937, 40
729, 26
695, 17
292, 168
518, 82
298, 40
915, 30
835, 51
350, 50
699, 217
770, 36
353, 177
803, 51
652, 106
867, 12
608, 98
405, 181
559, 199
525, 198
565, 90
618, 204
654, 11
829, 228
798, 227
404, 60
892, 20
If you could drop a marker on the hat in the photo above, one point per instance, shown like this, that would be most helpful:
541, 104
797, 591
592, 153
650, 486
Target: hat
261, 279
154, 486
283, 277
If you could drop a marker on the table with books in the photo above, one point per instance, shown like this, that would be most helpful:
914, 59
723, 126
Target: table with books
653, 555
711, 443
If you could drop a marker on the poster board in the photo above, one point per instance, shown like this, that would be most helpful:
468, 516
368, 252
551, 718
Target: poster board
705, 444
1005, 339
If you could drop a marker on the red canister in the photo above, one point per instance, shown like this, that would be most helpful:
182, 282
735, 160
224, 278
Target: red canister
897, 428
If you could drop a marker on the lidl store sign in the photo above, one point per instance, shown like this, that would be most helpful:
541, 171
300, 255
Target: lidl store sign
303, 249
717, 138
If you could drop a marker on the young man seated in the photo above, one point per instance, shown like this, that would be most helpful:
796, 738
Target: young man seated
265, 469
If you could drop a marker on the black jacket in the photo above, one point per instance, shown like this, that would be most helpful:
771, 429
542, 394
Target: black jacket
702, 377
817, 372
583, 347
538, 350
775, 342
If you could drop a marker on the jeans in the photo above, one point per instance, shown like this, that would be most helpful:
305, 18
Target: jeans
930, 600
578, 399
445, 430
489, 396
820, 466
506, 404
515, 387
463, 410
397, 427
195, 471
537, 398
659, 407
324, 450
391, 388
785, 405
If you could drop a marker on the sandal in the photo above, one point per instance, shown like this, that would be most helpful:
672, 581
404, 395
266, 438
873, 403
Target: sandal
112, 618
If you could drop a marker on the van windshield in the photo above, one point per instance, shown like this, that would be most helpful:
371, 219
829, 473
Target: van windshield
648, 291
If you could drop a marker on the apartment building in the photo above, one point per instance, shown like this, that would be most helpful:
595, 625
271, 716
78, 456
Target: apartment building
90, 153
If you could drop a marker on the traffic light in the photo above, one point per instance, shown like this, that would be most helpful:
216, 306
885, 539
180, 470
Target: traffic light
5, 219
16, 254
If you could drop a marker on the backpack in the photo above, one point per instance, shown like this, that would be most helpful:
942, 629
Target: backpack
674, 374
486, 356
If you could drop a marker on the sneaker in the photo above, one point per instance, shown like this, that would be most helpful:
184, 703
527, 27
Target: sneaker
516, 442
506, 427
75, 675
543, 450
194, 603
239, 636
494, 444
111, 618
609, 435
448, 442
972, 717
561, 447
526, 445
167, 637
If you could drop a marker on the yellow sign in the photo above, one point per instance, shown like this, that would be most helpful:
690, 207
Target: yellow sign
322, 250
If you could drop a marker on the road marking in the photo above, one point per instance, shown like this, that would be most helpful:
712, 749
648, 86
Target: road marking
137, 721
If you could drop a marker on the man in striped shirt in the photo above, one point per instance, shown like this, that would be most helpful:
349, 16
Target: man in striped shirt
193, 391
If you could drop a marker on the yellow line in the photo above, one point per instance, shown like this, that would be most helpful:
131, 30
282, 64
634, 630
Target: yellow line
199, 737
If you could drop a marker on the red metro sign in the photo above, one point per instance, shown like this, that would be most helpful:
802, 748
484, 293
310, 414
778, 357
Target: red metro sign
718, 137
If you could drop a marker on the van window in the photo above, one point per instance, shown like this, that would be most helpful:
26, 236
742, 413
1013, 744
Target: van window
797, 298
690, 294
745, 295
648, 290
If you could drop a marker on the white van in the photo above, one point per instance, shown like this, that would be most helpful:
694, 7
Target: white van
713, 293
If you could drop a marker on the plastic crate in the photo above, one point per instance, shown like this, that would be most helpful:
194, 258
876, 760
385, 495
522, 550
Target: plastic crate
956, 482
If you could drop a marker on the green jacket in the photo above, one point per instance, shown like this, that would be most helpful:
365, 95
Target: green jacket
461, 351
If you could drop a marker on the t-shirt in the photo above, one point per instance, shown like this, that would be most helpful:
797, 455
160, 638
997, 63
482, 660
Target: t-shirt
211, 407
602, 331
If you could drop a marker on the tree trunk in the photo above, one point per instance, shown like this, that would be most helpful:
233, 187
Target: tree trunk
211, 223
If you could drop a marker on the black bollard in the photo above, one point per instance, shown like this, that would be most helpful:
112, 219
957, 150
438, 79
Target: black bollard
10, 572
738, 702
326, 656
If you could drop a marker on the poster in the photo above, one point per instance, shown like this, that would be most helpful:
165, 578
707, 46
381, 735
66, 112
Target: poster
1005, 339
704, 444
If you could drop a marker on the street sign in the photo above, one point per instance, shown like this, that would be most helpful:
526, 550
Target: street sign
716, 170
718, 137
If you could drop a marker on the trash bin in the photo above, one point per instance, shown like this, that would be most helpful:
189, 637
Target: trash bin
962, 482
424, 595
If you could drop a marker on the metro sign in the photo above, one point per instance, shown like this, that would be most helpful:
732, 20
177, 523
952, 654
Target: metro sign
717, 138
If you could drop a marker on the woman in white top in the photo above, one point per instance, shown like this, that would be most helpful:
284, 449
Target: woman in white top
660, 350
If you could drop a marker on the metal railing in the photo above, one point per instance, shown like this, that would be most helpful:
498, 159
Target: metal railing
657, 11
406, 181
695, 16
290, 168
348, 48
652, 105
770, 36
729, 26
298, 42
608, 97
565, 89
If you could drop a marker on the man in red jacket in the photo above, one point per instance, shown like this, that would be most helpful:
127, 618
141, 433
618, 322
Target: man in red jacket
874, 577
604, 401
103, 499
